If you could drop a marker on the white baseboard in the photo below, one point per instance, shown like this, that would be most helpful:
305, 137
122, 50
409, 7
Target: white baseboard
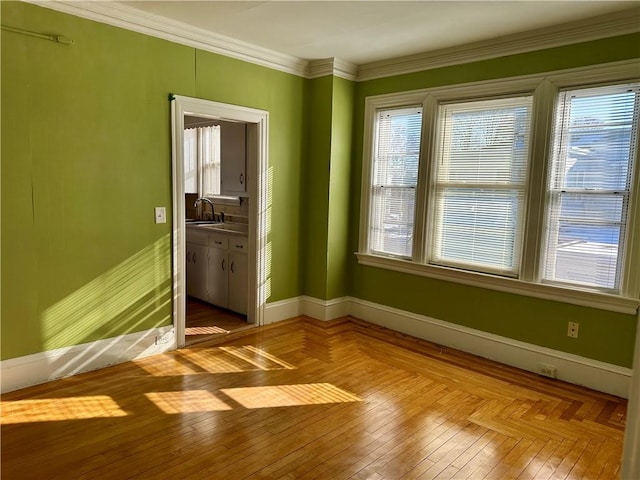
594, 374
43, 367
305, 305
600, 376
325, 309
282, 310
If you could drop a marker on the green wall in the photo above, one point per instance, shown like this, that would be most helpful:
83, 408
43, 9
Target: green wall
604, 335
86, 156
316, 178
338, 252
328, 182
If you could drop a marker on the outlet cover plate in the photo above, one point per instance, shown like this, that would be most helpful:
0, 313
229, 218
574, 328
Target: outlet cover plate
572, 329
161, 215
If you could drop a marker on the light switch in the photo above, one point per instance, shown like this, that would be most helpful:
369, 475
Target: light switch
161, 215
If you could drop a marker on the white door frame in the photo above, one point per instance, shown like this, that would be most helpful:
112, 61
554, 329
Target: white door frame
257, 186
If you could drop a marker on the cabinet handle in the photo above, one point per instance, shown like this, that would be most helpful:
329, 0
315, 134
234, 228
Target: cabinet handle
223, 264
239, 245
241, 178
217, 242
232, 267
194, 257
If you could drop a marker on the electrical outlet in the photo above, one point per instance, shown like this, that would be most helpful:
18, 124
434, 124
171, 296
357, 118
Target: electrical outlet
547, 370
572, 329
164, 338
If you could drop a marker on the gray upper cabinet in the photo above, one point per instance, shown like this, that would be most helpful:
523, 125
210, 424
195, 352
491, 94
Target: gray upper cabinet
233, 159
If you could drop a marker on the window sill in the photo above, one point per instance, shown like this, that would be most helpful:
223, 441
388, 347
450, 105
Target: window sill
583, 298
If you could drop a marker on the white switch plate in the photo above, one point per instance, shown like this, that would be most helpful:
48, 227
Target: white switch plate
161, 215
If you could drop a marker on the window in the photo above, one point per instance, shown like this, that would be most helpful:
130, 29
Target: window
480, 173
395, 178
595, 131
523, 185
202, 160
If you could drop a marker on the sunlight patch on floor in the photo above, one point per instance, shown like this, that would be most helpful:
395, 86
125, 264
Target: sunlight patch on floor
289, 395
60, 409
204, 331
190, 401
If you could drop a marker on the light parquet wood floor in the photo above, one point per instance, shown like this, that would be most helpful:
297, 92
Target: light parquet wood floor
311, 400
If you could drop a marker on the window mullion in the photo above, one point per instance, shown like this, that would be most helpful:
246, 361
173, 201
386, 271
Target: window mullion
631, 276
423, 194
544, 102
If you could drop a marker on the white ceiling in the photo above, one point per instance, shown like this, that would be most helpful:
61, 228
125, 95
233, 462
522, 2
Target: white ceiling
366, 31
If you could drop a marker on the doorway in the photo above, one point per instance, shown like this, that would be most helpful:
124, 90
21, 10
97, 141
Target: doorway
256, 192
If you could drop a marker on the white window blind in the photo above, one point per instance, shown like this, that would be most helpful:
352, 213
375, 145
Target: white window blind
479, 188
191, 160
202, 160
594, 144
394, 180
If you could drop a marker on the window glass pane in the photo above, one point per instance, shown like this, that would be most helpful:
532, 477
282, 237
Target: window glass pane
478, 227
486, 145
580, 208
594, 134
395, 177
392, 228
481, 167
599, 134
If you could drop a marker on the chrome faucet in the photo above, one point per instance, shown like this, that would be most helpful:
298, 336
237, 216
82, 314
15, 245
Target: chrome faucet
204, 199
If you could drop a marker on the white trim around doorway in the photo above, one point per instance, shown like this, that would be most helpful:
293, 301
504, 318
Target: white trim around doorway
257, 191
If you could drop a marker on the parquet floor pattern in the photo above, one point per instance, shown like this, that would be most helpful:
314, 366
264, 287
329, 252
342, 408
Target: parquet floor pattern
311, 400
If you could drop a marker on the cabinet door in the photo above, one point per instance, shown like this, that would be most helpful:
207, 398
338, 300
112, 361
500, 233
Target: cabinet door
233, 159
218, 272
238, 288
197, 274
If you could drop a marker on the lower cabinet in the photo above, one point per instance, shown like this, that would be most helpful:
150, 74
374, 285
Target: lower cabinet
197, 271
228, 270
217, 269
238, 272
218, 276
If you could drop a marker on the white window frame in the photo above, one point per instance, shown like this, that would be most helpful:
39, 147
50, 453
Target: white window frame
545, 88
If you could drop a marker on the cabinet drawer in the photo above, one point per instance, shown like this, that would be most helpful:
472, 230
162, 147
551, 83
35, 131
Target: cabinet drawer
238, 244
197, 237
218, 240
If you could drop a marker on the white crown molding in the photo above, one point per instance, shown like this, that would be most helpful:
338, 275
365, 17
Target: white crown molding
611, 25
119, 15
332, 66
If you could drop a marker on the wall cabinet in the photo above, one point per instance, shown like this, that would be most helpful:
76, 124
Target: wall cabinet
233, 159
217, 268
